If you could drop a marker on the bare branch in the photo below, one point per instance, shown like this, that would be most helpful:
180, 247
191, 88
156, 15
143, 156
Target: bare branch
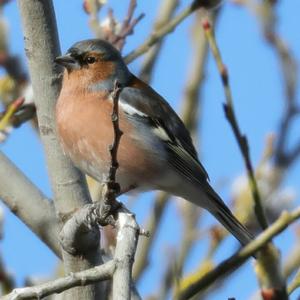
117, 269
59, 285
29, 204
231, 117
108, 30
165, 12
124, 255
189, 289
127, 26
156, 36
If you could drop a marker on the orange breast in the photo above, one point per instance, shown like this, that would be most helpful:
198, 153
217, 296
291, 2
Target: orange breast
85, 128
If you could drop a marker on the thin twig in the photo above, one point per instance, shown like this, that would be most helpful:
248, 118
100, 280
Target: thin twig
165, 13
112, 188
188, 289
231, 117
109, 30
113, 148
127, 26
160, 33
267, 265
283, 156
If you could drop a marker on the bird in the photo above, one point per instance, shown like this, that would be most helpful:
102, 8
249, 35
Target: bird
155, 152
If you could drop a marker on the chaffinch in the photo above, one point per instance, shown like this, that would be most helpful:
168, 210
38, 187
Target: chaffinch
155, 152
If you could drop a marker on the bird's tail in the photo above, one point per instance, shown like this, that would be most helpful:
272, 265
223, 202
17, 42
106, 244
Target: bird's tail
223, 214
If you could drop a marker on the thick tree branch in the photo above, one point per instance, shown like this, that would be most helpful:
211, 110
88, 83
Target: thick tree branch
124, 255
118, 269
27, 202
68, 184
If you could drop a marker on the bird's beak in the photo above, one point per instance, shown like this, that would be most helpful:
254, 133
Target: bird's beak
67, 61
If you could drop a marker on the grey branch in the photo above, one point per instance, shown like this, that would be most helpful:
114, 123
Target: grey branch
68, 184
79, 232
119, 268
27, 202
124, 255
82, 278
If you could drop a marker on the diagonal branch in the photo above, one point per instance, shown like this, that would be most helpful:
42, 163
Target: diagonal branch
240, 257
27, 202
231, 117
165, 13
156, 36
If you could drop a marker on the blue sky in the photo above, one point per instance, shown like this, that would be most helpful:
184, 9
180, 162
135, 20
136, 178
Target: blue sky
258, 95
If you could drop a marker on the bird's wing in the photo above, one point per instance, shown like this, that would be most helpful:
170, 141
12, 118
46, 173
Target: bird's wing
151, 109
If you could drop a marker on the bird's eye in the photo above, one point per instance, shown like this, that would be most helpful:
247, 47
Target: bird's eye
90, 59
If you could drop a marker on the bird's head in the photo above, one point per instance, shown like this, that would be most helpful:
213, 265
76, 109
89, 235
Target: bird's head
96, 62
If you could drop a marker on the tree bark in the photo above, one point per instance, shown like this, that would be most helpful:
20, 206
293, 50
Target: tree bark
68, 184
